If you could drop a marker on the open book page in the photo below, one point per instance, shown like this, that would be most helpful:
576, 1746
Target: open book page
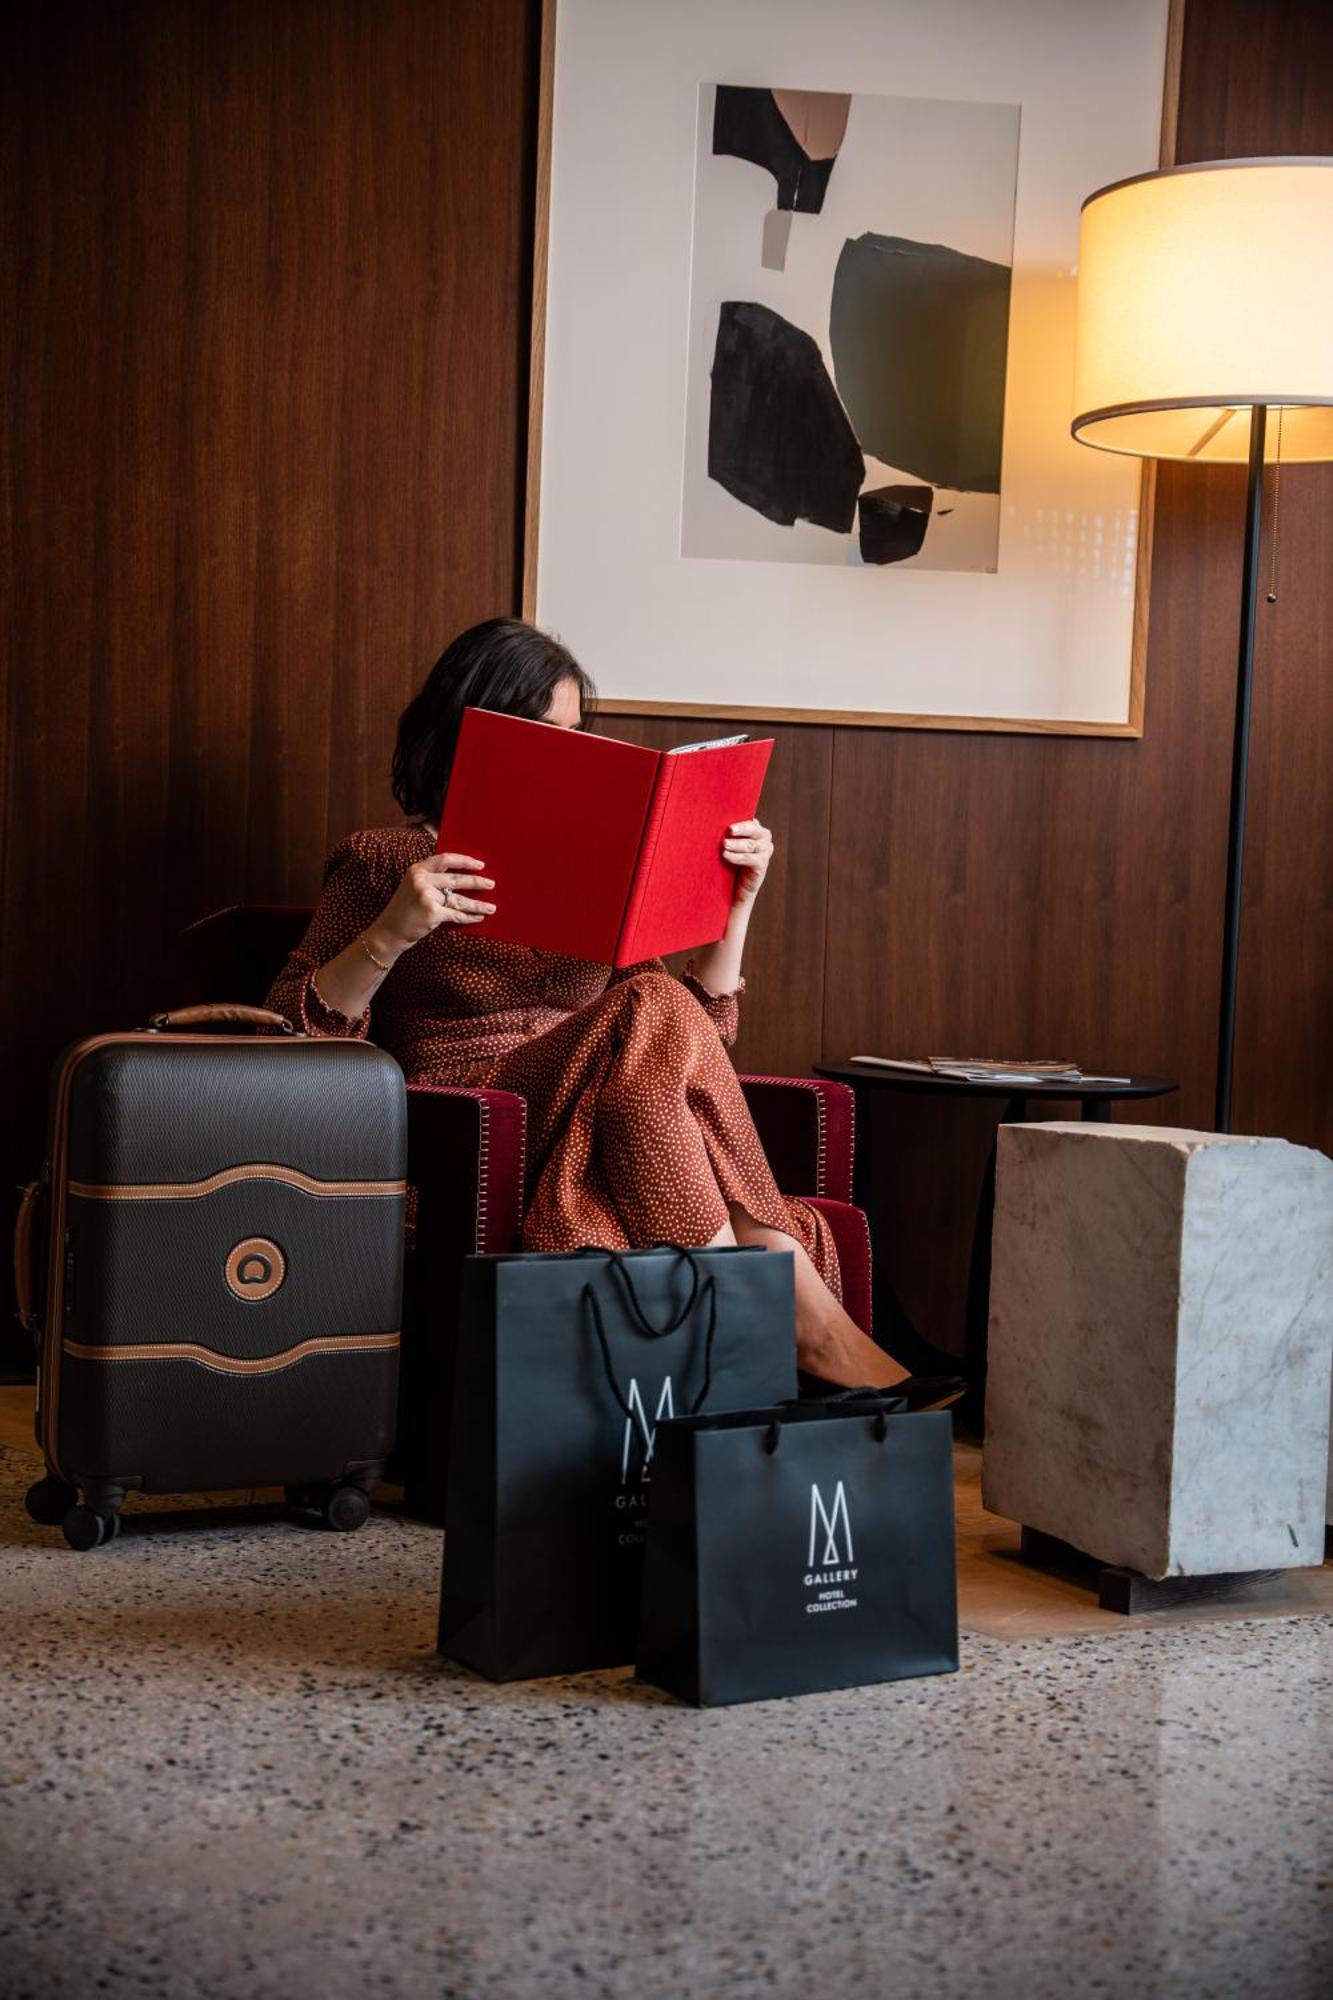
717, 743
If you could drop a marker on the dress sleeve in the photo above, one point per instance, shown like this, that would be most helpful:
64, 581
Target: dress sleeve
721, 1008
352, 898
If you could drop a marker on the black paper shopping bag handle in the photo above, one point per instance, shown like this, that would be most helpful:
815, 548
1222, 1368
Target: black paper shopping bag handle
701, 1286
882, 1403
634, 1305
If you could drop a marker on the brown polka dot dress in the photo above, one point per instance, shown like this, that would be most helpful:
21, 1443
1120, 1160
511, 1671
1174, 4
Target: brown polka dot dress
638, 1131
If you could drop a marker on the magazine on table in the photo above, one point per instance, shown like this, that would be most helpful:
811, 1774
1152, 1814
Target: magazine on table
976, 1069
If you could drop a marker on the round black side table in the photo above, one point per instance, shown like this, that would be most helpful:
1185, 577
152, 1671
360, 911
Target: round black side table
1095, 1101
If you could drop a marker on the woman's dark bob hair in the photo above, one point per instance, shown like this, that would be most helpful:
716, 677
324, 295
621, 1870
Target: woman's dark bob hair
501, 664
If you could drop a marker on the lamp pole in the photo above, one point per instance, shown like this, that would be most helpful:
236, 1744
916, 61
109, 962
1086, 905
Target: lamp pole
1240, 770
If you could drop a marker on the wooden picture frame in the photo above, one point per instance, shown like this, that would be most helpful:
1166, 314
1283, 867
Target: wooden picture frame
1131, 727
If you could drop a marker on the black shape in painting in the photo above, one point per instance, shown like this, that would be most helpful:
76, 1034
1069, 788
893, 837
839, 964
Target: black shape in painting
893, 522
778, 438
918, 334
748, 125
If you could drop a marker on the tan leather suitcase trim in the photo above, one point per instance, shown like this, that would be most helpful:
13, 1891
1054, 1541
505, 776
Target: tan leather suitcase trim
269, 1364
227, 1177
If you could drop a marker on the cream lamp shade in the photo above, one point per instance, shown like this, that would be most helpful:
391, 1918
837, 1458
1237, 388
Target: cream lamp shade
1203, 291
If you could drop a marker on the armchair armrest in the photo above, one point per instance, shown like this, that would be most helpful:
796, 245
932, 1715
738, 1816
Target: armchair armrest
465, 1157
851, 1233
805, 1125
465, 1160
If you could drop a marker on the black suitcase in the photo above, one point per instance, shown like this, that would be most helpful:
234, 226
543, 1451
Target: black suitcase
212, 1266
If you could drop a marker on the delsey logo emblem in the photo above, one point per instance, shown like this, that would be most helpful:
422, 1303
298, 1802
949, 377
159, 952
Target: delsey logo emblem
830, 1556
255, 1269
638, 1426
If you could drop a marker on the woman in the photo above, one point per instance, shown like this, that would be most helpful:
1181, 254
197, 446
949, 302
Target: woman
638, 1131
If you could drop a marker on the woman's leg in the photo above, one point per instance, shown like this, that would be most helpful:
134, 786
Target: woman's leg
639, 1133
829, 1343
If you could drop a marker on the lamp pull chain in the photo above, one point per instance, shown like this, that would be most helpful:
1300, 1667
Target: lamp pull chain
1277, 497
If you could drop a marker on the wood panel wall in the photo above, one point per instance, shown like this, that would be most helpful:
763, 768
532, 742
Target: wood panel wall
263, 358
1063, 896
263, 354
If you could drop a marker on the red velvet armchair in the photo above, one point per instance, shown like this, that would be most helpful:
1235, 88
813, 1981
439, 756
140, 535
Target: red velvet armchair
466, 1160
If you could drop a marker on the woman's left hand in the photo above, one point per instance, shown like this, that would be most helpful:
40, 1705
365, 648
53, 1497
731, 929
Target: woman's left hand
748, 848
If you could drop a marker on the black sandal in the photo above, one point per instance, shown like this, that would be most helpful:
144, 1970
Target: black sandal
917, 1392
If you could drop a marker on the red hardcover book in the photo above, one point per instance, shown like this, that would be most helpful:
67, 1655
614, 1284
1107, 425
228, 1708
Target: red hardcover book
599, 849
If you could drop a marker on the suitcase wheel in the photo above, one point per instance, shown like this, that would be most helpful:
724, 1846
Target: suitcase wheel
346, 1508
49, 1501
85, 1528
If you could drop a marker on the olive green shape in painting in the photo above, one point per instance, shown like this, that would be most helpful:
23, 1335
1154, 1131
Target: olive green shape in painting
918, 334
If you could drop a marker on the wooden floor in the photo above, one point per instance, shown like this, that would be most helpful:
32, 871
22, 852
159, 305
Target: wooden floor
1001, 1595
998, 1594
16, 1419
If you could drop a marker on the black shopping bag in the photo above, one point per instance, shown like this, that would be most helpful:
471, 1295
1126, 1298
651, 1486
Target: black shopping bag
791, 1551
566, 1365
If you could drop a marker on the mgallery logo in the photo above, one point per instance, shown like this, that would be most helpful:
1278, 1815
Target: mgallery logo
640, 1431
636, 1453
830, 1556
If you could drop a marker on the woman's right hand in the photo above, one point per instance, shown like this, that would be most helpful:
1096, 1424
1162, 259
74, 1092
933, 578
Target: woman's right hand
431, 893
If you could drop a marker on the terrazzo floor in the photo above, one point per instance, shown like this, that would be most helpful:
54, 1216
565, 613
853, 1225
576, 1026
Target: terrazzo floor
233, 1766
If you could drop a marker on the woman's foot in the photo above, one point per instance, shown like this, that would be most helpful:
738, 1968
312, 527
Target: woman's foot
836, 1350
829, 1343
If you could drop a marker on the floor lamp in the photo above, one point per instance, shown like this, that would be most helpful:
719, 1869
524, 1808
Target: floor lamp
1205, 305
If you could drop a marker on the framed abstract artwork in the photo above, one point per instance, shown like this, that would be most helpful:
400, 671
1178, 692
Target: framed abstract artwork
802, 358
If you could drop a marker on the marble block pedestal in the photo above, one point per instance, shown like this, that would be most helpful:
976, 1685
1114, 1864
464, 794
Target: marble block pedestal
1161, 1335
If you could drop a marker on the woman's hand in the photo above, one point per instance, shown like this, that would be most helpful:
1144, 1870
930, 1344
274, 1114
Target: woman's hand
748, 848
431, 893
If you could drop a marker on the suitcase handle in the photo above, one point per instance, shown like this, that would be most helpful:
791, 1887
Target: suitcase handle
221, 1014
24, 1230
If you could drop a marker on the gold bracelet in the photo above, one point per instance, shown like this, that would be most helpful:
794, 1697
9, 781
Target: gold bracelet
378, 963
